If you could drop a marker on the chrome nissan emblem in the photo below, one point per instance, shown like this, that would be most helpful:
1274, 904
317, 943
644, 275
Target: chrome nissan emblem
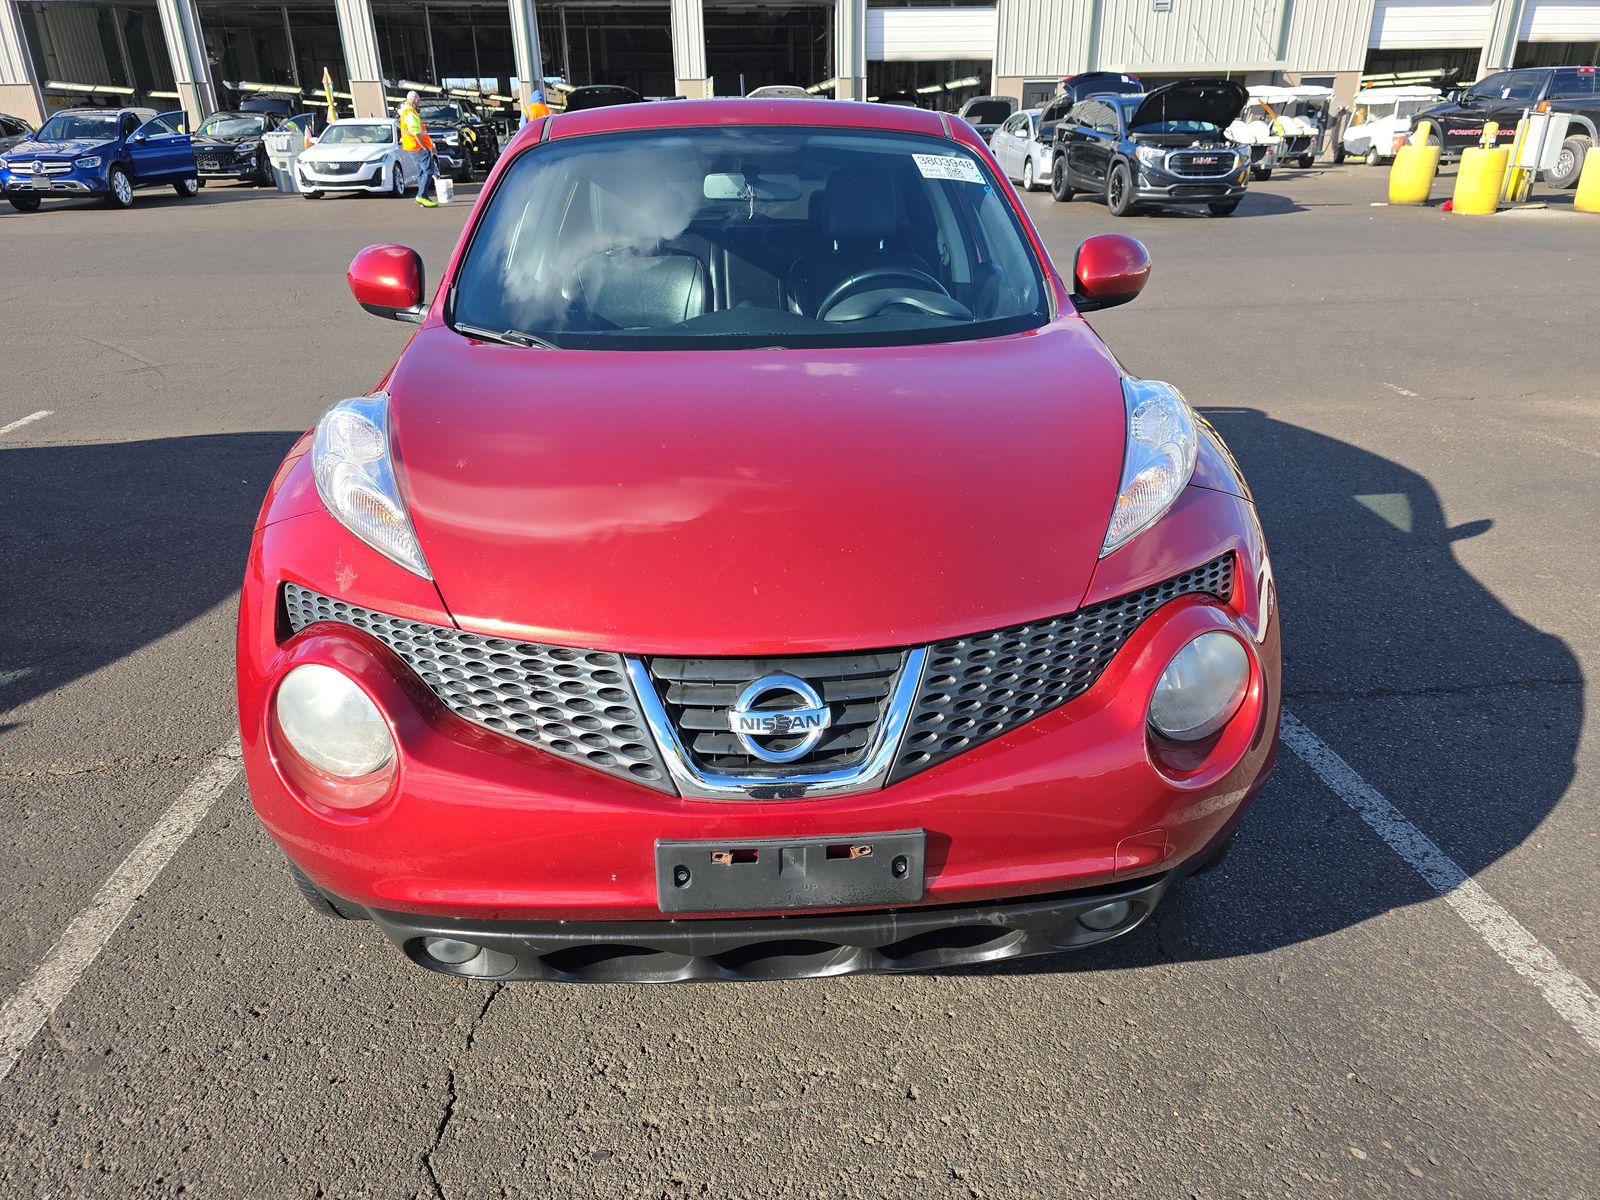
807, 718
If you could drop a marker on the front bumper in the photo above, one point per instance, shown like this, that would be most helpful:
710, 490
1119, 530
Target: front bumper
221, 167
1157, 186
799, 946
73, 183
368, 177
479, 828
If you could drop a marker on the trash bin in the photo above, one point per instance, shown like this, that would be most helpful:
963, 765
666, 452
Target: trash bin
283, 149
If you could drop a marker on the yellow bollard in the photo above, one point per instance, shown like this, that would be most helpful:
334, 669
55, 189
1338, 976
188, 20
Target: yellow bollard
1587, 198
1411, 177
1480, 175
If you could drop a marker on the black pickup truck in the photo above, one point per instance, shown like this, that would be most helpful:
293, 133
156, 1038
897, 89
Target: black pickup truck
1501, 97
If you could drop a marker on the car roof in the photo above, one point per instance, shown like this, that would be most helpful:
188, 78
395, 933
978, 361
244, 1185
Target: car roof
676, 114
1382, 95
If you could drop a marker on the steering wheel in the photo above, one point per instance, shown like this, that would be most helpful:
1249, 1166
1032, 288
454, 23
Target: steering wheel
920, 280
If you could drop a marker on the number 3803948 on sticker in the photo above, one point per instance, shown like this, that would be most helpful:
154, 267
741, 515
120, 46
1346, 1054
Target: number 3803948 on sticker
948, 166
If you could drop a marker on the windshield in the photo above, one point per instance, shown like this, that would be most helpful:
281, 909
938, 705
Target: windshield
1196, 127
748, 237
79, 127
439, 114
232, 125
358, 135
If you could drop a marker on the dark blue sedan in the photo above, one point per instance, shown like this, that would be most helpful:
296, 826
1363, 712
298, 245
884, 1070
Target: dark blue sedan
100, 152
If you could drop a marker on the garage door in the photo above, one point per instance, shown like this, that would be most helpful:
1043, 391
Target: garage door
1414, 25
1560, 21
929, 34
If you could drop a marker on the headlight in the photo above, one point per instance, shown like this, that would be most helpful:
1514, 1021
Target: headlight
355, 477
331, 723
1159, 459
89, 163
1201, 688
1150, 156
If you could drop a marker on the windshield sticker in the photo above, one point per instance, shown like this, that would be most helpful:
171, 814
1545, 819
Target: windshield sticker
948, 166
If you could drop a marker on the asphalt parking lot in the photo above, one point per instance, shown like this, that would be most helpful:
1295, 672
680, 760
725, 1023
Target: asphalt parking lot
1409, 393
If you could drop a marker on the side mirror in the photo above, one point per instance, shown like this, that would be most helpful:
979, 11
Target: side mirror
387, 282
137, 137
1111, 269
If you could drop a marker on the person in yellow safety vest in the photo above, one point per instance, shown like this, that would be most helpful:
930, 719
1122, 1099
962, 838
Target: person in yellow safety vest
414, 140
536, 107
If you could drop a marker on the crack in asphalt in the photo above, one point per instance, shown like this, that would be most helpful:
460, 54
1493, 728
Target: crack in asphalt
1455, 689
449, 1112
132, 762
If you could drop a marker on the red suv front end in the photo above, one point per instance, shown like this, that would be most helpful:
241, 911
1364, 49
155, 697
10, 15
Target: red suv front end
754, 567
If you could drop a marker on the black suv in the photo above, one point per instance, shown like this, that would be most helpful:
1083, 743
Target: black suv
1164, 148
1502, 96
231, 145
462, 140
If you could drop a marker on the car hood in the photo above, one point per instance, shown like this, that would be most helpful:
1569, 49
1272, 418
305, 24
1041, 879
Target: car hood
759, 502
1217, 101
33, 148
200, 142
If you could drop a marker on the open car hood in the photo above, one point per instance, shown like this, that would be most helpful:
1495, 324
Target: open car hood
1216, 101
763, 501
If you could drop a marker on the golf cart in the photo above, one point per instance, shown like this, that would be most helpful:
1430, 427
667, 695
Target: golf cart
1282, 124
1381, 122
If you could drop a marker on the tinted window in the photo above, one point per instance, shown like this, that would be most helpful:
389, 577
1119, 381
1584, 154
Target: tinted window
988, 112
1488, 88
749, 236
1576, 81
162, 126
1522, 85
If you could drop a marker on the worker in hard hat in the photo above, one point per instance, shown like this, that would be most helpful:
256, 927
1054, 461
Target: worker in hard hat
414, 140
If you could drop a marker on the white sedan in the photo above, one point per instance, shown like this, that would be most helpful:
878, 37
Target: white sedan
357, 154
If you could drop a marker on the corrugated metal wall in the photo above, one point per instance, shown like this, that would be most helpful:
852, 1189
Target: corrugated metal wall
1328, 35
1191, 33
1044, 38
929, 34
1561, 21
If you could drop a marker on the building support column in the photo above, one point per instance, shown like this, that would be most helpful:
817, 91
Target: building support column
850, 49
1500, 42
529, 53
689, 51
186, 47
362, 67
19, 91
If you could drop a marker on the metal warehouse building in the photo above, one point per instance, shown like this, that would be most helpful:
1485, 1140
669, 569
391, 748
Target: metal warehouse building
205, 54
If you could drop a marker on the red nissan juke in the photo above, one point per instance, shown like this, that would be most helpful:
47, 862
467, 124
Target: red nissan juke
753, 567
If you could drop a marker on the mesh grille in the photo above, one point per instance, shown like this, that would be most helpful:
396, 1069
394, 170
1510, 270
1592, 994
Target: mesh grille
1221, 162
698, 692
575, 703
976, 688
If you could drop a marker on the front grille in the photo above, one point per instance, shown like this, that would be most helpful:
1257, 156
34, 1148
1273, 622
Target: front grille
1189, 164
976, 688
337, 168
698, 694
575, 703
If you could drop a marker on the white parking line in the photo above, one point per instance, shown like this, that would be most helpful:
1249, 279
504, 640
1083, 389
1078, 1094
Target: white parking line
1574, 1000
86, 936
27, 420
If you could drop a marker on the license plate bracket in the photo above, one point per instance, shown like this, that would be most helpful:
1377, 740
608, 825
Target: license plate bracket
771, 874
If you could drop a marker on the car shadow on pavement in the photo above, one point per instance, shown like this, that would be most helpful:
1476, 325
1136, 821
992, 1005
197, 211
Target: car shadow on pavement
107, 548
1462, 714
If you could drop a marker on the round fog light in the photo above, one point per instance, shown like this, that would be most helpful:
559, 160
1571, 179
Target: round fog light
331, 723
449, 950
1201, 688
1106, 916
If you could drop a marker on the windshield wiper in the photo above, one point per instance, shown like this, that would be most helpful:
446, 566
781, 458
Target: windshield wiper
507, 337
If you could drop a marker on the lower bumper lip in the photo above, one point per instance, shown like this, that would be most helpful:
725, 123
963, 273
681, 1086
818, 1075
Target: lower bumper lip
790, 947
